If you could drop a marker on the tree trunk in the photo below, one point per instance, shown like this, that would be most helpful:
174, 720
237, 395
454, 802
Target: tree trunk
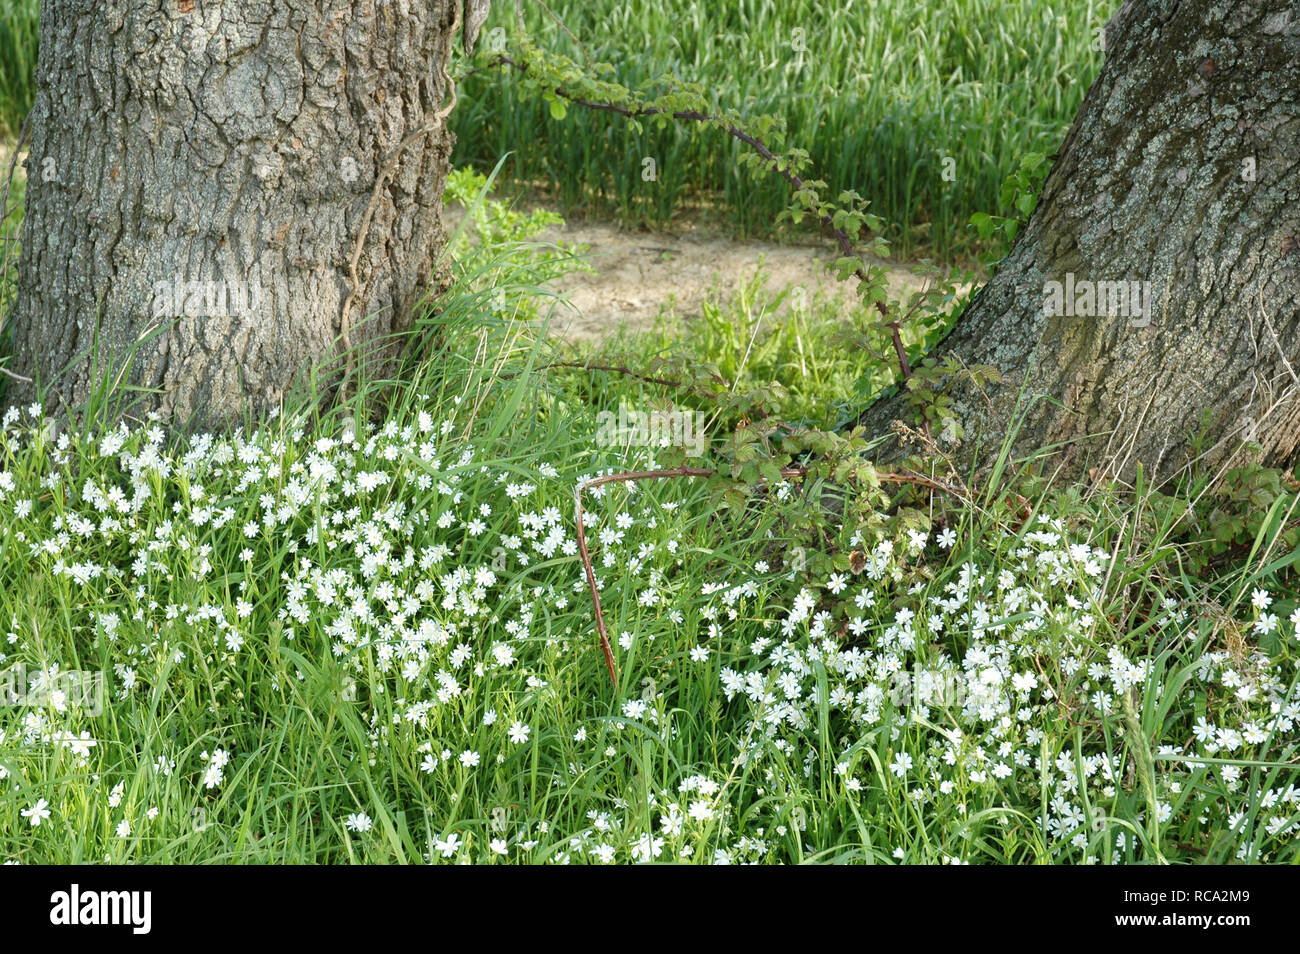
1181, 170
202, 173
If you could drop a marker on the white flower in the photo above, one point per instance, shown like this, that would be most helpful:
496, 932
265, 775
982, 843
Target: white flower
1024, 681
447, 846
519, 733
901, 765
1203, 730
634, 708
37, 813
359, 821
647, 847
215, 772
700, 811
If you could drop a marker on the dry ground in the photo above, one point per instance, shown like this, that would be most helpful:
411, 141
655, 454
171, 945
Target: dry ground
637, 275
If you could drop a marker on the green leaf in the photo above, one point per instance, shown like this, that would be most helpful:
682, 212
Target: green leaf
770, 471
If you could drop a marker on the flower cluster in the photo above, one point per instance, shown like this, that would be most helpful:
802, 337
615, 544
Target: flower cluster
389, 626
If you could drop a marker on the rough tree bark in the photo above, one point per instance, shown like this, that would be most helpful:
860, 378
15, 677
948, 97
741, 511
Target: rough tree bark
207, 168
1182, 170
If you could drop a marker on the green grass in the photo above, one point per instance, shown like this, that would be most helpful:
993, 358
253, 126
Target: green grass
758, 337
883, 94
18, 40
362, 635
10, 229
18, 36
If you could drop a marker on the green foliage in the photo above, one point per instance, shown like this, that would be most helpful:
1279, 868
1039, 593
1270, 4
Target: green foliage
882, 95
18, 43
555, 77
760, 338
1019, 196
354, 637
493, 230
492, 222
1246, 502
1226, 521
495, 245
929, 395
